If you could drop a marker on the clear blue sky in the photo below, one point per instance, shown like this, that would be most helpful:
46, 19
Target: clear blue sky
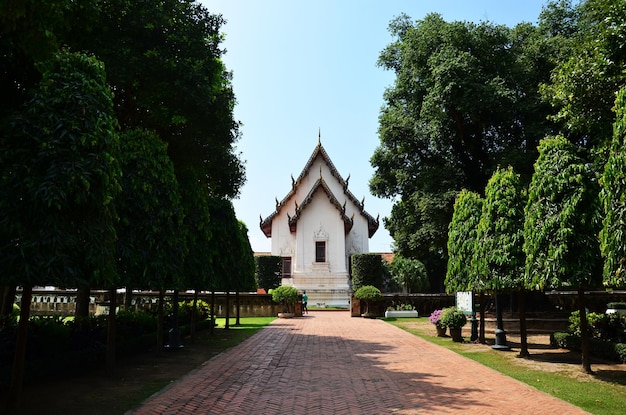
300, 66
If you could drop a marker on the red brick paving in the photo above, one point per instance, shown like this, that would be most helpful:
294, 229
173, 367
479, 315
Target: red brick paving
330, 363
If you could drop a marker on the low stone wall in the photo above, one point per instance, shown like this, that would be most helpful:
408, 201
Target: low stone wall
63, 302
536, 323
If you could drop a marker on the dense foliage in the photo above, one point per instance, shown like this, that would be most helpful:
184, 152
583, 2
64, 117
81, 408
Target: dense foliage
462, 234
613, 197
498, 253
464, 101
268, 272
409, 274
59, 174
367, 269
561, 220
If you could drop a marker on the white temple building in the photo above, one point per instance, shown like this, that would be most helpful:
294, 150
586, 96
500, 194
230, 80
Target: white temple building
316, 228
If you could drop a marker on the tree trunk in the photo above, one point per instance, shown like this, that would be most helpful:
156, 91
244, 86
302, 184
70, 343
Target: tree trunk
584, 332
194, 316
522, 324
174, 341
227, 324
7, 300
128, 299
160, 313
17, 374
481, 329
237, 305
111, 333
213, 313
82, 303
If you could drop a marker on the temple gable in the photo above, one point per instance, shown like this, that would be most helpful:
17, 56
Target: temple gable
316, 227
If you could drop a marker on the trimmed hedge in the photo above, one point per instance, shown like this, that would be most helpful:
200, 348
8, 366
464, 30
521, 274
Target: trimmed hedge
599, 348
367, 269
269, 271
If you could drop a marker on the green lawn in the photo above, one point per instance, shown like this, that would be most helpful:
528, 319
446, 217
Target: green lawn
591, 393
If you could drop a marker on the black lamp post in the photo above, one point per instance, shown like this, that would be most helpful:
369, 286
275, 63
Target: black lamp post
174, 343
500, 343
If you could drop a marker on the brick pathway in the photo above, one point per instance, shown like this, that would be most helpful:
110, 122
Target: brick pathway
330, 363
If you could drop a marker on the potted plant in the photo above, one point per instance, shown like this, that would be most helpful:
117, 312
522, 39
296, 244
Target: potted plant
435, 319
368, 293
287, 296
454, 320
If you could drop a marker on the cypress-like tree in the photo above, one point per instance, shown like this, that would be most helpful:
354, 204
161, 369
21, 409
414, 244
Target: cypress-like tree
561, 226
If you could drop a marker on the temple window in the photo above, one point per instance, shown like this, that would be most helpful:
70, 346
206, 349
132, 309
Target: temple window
320, 251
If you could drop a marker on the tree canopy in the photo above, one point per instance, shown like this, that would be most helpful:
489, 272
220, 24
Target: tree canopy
613, 197
562, 219
498, 253
163, 61
464, 101
60, 175
462, 241
151, 247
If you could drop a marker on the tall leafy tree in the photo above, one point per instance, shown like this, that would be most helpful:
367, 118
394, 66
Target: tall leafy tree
59, 175
498, 253
462, 236
613, 197
150, 245
163, 60
561, 226
465, 100
409, 274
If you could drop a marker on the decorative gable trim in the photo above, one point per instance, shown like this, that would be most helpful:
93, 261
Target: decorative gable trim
266, 224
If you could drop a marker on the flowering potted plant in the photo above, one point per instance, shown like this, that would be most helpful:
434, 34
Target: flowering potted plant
454, 319
435, 318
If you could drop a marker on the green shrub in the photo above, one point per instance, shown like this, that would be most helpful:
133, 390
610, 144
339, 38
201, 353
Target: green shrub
368, 293
617, 305
620, 349
453, 318
599, 348
47, 336
600, 326
285, 295
592, 320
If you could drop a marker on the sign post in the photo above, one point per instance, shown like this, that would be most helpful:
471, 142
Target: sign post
465, 303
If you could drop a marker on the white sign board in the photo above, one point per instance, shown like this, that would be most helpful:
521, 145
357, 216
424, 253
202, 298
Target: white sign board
465, 301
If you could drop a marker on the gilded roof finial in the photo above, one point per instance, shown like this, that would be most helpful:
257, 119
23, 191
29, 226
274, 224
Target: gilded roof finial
319, 136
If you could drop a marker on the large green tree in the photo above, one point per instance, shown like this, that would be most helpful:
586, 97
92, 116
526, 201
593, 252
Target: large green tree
613, 197
562, 224
58, 177
590, 72
163, 60
465, 100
